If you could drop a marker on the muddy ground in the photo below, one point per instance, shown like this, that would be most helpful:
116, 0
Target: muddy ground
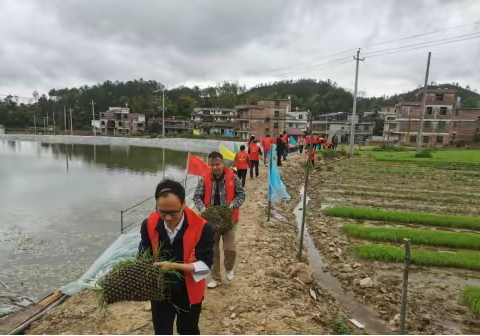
433, 306
262, 299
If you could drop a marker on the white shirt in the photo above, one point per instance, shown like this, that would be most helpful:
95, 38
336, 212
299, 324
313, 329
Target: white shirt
201, 269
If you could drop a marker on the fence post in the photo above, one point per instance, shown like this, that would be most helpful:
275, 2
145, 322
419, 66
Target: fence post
121, 221
403, 311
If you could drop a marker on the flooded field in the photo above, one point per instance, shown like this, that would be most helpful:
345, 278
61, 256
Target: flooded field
60, 205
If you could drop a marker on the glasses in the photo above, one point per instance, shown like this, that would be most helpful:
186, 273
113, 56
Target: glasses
172, 213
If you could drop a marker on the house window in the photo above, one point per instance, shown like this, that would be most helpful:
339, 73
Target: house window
453, 136
425, 139
413, 138
267, 119
127, 131
441, 125
103, 122
267, 130
365, 128
427, 125
328, 127
457, 113
275, 125
277, 114
439, 139
429, 110
391, 126
277, 103
120, 124
300, 116
443, 111
290, 125
439, 97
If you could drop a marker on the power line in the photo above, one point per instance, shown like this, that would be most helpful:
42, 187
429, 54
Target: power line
424, 34
422, 47
331, 63
423, 43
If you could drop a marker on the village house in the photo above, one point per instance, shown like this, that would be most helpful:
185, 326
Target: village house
444, 123
338, 124
214, 120
120, 121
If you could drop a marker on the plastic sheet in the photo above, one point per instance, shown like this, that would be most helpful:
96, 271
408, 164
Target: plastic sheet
123, 248
276, 190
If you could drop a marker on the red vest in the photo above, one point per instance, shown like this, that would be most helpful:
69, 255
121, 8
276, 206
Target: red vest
195, 290
241, 159
284, 139
254, 156
307, 139
230, 189
312, 154
322, 140
329, 144
300, 141
267, 144
275, 141
315, 139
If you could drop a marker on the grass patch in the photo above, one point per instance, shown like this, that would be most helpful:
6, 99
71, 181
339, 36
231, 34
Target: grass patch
405, 217
341, 328
416, 236
460, 259
424, 153
414, 197
470, 296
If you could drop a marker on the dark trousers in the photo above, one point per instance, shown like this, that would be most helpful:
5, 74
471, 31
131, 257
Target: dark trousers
253, 164
301, 149
242, 175
313, 162
279, 158
163, 315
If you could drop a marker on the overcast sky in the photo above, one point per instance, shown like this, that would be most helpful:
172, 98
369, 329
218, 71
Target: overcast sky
64, 43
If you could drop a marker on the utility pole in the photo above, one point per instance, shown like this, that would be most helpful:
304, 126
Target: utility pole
354, 112
93, 118
71, 122
53, 114
163, 112
44, 125
65, 117
35, 124
48, 131
424, 100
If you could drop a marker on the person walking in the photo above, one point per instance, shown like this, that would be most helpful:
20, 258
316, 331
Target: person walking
280, 149
177, 233
267, 148
312, 155
242, 162
301, 140
250, 141
308, 140
321, 142
334, 142
221, 187
314, 141
254, 152
285, 142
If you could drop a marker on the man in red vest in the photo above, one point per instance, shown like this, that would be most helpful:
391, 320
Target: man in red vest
242, 162
301, 140
221, 187
314, 141
308, 139
254, 152
176, 233
285, 144
267, 149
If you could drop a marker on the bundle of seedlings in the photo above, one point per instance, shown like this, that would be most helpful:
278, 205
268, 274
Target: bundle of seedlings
134, 279
220, 217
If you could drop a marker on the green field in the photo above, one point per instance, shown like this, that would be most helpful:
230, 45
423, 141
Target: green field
416, 236
471, 297
419, 256
463, 156
405, 217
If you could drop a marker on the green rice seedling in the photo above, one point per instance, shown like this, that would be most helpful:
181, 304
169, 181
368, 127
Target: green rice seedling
424, 153
405, 217
419, 256
470, 296
416, 236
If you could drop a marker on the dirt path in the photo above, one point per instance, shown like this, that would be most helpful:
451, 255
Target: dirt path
263, 298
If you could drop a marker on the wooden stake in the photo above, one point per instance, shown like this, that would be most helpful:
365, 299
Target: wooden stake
403, 311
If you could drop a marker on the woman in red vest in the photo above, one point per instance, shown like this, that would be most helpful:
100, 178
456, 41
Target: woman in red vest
255, 153
242, 162
221, 187
176, 233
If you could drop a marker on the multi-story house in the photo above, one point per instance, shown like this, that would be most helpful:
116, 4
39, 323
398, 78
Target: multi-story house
339, 124
267, 117
296, 123
173, 125
214, 120
119, 121
444, 122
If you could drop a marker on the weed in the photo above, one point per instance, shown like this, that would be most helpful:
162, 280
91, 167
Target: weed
419, 256
424, 153
417, 236
470, 296
341, 328
405, 217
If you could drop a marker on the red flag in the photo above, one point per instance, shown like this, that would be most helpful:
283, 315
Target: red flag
196, 166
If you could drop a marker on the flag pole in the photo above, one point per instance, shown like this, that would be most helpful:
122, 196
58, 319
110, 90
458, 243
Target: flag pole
186, 171
268, 181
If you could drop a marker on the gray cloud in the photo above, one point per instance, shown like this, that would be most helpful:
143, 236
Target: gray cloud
61, 43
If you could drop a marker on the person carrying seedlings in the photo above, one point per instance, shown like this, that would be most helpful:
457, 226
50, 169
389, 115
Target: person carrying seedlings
221, 187
242, 162
267, 149
254, 152
177, 234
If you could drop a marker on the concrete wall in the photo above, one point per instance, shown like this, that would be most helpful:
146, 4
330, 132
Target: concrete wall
184, 145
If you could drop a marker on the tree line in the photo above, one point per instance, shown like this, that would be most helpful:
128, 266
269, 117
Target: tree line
145, 96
